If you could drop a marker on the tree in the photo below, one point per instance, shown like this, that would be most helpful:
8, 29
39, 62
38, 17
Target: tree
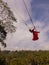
7, 20
3, 62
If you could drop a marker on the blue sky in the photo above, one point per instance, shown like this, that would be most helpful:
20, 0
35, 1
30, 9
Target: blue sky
41, 10
22, 38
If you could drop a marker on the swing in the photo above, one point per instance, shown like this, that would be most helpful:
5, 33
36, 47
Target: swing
33, 31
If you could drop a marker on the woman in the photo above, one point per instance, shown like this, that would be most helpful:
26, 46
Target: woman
35, 34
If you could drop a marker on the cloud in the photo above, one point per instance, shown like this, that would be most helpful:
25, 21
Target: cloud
19, 9
40, 10
22, 38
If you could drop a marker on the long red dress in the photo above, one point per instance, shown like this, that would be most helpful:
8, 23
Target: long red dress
35, 34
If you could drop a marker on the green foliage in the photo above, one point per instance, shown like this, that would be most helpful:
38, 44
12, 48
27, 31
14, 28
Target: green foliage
24, 57
3, 61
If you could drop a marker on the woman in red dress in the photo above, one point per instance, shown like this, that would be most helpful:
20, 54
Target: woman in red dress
35, 34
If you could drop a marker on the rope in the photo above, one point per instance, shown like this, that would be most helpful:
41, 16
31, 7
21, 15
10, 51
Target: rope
27, 25
28, 13
22, 19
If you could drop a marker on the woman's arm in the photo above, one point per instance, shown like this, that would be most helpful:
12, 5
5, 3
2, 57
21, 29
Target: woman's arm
31, 30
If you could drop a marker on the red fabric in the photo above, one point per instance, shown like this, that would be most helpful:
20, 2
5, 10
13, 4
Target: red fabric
35, 34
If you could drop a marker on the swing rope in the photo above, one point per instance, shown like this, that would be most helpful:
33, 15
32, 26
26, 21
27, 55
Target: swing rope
28, 14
